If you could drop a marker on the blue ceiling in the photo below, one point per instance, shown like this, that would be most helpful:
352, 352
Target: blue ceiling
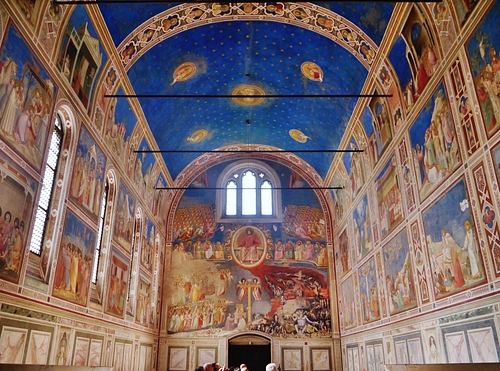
262, 53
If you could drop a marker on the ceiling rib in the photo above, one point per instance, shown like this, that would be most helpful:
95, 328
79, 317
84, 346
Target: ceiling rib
222, 188
225, 96
69, 2
252, 151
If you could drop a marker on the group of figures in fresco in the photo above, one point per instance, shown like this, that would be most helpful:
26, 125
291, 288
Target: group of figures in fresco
25, 105
451, 241
435, 152
293, 302
11, 240
220, 295
455, 265
75, 261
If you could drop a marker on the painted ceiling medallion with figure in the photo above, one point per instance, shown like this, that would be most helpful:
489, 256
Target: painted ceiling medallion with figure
184, 72
298, 135
197, 136
248, 246
243, 95
312, 71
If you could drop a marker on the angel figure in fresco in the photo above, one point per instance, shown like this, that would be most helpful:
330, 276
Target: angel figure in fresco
256, 289
242, 289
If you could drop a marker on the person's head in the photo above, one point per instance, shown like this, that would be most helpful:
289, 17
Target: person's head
243, 367
271, 367
208, 367
467, 225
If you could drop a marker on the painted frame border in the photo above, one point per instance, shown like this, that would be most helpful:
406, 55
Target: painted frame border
289, 359
202, 358
317, 351
172, 352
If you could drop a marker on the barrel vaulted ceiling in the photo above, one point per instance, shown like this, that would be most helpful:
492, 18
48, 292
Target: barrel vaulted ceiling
323, 48
264, 46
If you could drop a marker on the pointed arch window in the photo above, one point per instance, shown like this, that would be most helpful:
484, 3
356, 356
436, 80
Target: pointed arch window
48, 185
248, 190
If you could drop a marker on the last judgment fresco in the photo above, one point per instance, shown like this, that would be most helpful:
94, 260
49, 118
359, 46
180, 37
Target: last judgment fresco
224, 277
220, 285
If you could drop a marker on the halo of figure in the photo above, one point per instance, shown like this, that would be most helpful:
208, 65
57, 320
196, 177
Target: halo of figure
243, 95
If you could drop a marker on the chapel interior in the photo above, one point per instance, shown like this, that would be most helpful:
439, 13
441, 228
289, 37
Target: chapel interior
313, 184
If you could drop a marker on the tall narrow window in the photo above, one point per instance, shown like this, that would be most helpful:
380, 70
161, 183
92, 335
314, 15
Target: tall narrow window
102, 217
231, 198
248, 193
266, 198
42, 213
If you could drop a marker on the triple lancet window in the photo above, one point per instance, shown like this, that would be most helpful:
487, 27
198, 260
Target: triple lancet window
249, 190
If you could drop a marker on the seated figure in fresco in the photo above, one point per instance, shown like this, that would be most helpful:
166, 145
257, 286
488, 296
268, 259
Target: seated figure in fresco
249, 244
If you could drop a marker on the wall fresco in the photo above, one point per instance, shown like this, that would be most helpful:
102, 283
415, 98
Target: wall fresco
382, 123
119, 123
456, 261
362, 237
124, 218
434, 143
224, 278
81, 55
343, 256
399, 274
74, 262
485, 62
16, 208
26, 99
390, 204
348, 317
147, 253
87, 182
368, 292
117, 284
354, 165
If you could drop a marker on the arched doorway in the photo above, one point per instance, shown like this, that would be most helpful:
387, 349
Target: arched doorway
252, 350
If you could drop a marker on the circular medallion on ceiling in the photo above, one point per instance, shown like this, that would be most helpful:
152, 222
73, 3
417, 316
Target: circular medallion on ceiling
184, 72
248, 95
248, 246
298, 135
312, 71
197, 136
